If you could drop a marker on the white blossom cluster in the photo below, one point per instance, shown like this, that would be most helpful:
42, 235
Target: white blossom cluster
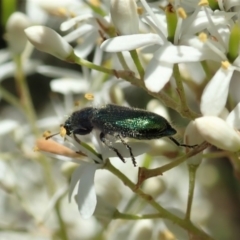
183, 53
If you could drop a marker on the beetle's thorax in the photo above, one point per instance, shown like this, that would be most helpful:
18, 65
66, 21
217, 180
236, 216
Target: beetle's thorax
79, 121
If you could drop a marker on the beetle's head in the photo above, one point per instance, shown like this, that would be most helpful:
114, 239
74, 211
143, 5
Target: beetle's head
68, 126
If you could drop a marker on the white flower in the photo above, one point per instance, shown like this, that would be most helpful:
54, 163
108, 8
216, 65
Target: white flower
47, 40
231, 3
69, 85
16, 38
217, 48
215, 94
193, 137
87, 32
142, 230
160, 68
7, 126
220, 133
124, 16
86, 195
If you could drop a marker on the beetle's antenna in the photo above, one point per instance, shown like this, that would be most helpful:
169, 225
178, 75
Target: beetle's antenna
52, 135
62, 133
181, 145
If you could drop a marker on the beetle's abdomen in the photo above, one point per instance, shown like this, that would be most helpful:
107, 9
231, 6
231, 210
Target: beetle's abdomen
137, 124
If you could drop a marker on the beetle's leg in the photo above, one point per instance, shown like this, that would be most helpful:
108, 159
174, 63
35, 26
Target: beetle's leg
182, 145
129, 148
104, 140
76, 138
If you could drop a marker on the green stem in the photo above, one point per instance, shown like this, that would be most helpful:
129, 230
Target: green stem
91, 65
25, 97
234, 158
137, 63
180, 90
122, 61
63, 228
26, 102
144, 173
206, 70
164, 213
119, 215
192, 169
10, 98
168, 101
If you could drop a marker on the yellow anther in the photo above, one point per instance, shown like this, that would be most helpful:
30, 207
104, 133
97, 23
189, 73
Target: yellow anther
225, 64
182, 13
61, 12
140, 10
95, 3
203, 3
89, 96
36, 149
203, 37
46, 134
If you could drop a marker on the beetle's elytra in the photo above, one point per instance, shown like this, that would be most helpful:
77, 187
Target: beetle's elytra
120, 122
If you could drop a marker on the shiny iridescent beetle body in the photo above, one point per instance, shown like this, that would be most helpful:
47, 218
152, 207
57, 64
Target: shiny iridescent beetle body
120, 122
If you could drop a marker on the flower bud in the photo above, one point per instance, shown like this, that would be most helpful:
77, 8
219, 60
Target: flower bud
142, 230
47, 40
15, 35
192, 137
124, 16
217, 132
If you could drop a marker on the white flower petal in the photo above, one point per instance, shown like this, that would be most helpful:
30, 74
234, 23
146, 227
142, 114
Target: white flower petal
35, 13
77, 174
178, 54
7, 126
130, 42
215, 94
217, 132
195, 70
157, 75
69, 85
201, 22
231, 3
75, 34
73, 21
207, 53
233, 118
158, 26
4, 55
86, 198
87, 45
